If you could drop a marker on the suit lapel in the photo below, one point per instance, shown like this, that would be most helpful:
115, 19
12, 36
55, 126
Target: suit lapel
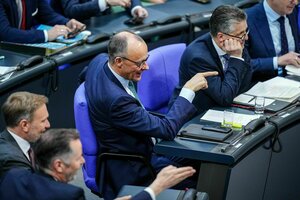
214, 54
293, 22
264, 31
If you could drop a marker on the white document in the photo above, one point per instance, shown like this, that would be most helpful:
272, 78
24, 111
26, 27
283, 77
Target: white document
250, 100
217, 116
277, 87
5, 69
293, 70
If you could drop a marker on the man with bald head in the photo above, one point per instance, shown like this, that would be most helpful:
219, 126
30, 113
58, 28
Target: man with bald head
26, 118
118, 117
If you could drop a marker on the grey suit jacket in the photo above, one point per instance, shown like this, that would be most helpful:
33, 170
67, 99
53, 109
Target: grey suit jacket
11, 155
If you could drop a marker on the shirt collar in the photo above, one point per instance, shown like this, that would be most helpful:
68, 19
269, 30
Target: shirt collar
271, 14
23, 144
220, 52
122, 80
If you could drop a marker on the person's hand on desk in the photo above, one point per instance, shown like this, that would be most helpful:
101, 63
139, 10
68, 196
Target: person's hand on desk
290, 58
198, 81
75, 26
123, 3
166, 178
140, 12
58, 30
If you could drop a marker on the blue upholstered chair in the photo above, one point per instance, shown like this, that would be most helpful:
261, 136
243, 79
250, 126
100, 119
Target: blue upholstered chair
94, 167
157, 84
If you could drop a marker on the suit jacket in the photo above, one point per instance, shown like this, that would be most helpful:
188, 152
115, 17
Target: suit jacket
142, 196
37, 12
123, 125
260, 43
11, 155
22, 184
82, 9
201, 56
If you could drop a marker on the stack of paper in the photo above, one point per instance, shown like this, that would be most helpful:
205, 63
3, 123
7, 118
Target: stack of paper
292, 70
217, 116
276, 88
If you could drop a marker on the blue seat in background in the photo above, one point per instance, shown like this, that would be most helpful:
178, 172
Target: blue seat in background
157, 84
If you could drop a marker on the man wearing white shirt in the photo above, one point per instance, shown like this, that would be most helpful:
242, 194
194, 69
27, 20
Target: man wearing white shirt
26, 118
119, 120
270, 45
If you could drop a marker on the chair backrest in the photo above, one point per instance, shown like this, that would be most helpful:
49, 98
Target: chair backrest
87, 137
157, 84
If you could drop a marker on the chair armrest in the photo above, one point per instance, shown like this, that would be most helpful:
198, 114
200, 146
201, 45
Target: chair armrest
100, 173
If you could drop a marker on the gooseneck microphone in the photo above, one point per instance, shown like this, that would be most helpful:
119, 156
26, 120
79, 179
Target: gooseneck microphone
251, 127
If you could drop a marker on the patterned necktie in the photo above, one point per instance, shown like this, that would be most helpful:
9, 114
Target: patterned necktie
23, 20
283, 41
132, 89
31, 157
225, 61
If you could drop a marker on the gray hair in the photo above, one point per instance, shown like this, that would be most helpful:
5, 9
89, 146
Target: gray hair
224, 17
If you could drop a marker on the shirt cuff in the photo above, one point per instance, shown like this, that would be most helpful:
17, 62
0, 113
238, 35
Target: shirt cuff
188, 94
275, 63
46, 35
151, 193
133, 9
102, 5
238, 58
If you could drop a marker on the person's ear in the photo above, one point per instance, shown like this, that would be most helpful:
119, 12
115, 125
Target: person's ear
220, 38
58, 165
118, 61
24, 124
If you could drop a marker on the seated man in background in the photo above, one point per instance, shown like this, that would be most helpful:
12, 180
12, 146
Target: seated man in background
18, 17
118, 118
26, 118
84, 9
220, 50
270, 48
58, 154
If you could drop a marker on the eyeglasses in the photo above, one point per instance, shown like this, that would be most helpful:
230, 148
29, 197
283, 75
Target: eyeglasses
139, 64
241, 38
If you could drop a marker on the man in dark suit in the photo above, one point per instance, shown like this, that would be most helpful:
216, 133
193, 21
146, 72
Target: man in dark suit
58, 154
84, 9
26, 118
118, 118
18, 18
221, 50
265, 40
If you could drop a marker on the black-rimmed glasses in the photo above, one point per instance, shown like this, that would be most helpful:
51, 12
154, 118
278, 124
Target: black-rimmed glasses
139, 64
241, 37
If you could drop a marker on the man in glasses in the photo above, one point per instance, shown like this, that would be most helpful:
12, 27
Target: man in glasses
220, 50
119, 119
273, 38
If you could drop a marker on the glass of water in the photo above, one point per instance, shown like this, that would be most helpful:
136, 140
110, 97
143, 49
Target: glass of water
259, 105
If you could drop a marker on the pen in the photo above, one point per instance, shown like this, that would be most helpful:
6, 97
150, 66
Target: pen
251, 99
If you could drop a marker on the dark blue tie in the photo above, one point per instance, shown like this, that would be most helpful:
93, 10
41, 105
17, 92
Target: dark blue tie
284, 42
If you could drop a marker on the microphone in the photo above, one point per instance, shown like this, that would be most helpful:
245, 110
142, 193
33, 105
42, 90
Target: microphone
34, 60
251, 127
254, 125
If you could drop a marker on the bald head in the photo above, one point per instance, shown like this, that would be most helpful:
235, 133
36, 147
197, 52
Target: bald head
122, 42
